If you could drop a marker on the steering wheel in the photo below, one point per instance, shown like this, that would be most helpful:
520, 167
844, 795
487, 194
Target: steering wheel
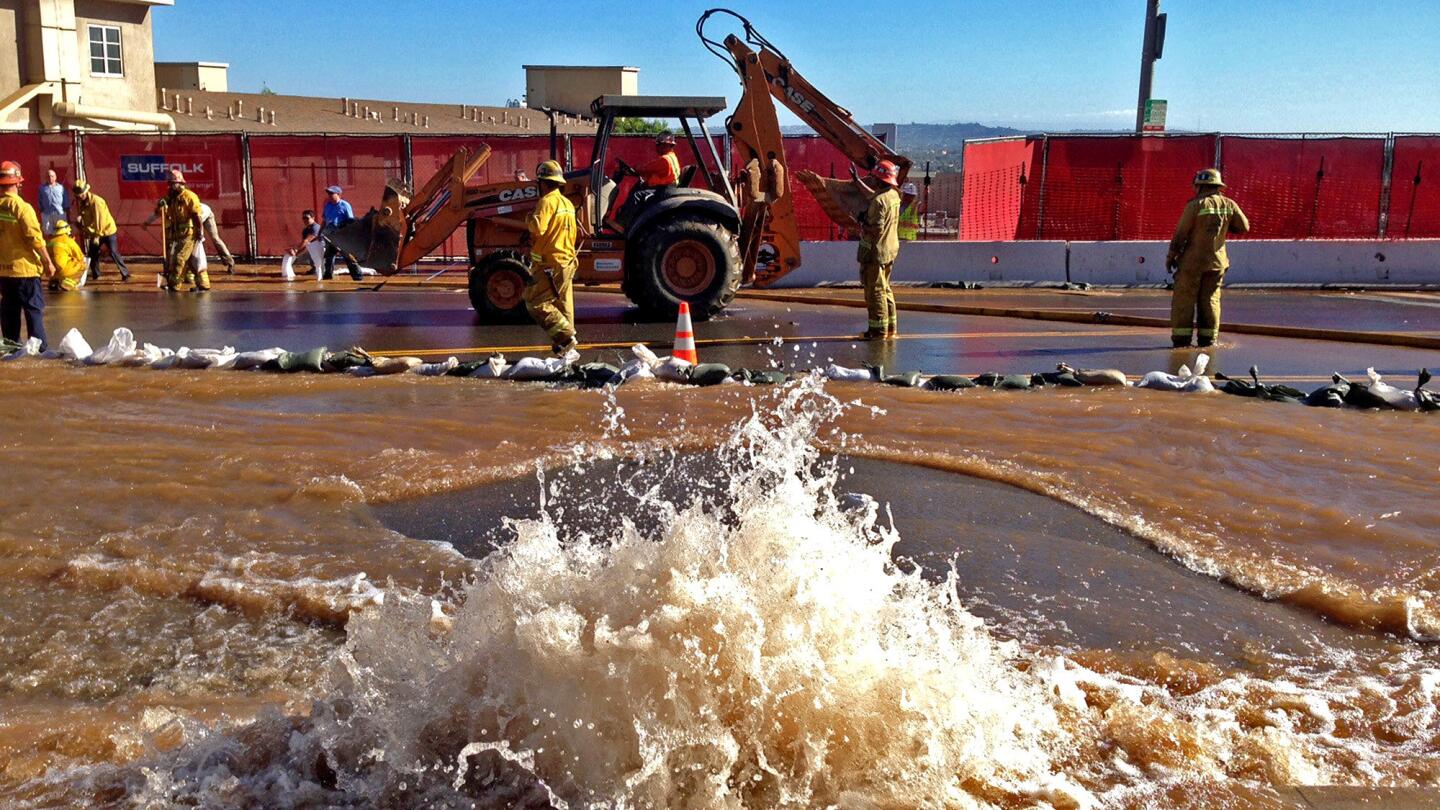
626, 168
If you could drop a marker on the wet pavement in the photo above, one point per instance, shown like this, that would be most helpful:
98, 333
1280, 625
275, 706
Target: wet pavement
435, 320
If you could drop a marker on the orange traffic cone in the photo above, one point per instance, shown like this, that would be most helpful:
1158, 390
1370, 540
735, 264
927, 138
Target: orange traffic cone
685, 337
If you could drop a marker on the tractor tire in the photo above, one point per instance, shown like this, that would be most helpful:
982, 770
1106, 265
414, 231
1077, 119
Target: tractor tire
497, 287
684, 259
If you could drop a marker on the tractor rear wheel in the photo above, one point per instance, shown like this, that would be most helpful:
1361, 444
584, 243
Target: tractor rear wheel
692, 260
497, 288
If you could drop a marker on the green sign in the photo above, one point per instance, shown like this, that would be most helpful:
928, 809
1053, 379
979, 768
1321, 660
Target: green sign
1155, 115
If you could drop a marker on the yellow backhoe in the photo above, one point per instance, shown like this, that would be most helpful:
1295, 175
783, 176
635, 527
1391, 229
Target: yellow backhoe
697, 241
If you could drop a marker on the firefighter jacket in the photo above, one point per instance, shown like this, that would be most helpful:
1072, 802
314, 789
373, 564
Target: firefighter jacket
879, 234
70, 264
1199, 243
21, 241
552, 231
181, 212
95, 220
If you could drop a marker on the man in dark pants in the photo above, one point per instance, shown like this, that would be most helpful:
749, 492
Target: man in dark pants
22, 258
97, 229
337, 213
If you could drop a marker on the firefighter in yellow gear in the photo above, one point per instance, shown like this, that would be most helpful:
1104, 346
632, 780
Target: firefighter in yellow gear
23, 260
879, 246
1198, 259
180, 211
549, 297
69, 259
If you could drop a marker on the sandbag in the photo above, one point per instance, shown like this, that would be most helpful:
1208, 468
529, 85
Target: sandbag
762, 376
843, 374
436, 369
905, 379
245, 361
634, 370
1095, 376
144, 356
948, 382
206, 358
74, 347
30, 348
465, 369
390, 365
121, 345
709, 374
989, 379
1015, 382
672, 369
592, 375
345, 360
8, 346
287, 267
534, 369
492, 368
312, 361
1330, 396
1064, 379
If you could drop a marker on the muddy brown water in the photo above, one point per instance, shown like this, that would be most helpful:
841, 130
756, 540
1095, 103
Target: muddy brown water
180, 552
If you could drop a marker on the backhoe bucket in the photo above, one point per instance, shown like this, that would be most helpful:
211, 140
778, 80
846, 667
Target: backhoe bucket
844, 201
374, 240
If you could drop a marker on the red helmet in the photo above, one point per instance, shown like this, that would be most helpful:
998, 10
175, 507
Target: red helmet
887, 172
10, 174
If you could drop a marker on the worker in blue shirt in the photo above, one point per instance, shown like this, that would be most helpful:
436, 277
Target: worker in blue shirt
337, 212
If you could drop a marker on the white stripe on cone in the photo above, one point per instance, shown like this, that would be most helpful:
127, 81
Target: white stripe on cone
685, 337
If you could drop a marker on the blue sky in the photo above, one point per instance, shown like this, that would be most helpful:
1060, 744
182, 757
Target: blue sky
1234, 65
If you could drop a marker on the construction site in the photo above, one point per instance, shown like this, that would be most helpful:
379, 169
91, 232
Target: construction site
714, 536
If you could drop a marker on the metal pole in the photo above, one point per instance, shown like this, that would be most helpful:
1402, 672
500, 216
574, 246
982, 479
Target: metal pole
1387, 169
247, 192
1150, 51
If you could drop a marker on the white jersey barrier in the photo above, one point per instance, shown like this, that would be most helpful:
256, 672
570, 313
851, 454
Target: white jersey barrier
1361, 262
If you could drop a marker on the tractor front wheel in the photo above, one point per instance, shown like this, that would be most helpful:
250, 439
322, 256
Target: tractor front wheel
691, 260
497, 289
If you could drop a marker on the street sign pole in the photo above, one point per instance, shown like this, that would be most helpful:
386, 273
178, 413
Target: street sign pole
1150, 51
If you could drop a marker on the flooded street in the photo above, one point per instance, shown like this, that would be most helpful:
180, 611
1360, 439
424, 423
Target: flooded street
234, 588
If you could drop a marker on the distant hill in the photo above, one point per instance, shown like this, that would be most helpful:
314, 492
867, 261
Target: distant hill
941, 144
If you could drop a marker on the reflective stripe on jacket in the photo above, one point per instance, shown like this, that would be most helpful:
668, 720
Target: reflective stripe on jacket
21, 241
1199, 242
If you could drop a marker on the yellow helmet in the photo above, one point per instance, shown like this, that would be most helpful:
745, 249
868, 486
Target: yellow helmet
550, 170
61, 228
1208, 177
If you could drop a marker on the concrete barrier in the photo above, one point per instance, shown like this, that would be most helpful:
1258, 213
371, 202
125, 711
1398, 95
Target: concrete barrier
1270, 261
1413, 262
937, 262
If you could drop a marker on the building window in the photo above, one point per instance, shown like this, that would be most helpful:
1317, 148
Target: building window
105, 51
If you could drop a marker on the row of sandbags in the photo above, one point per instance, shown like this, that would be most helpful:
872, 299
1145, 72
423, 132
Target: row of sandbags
1370, 393
123, 350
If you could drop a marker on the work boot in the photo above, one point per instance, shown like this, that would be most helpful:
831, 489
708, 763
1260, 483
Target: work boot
1205, 343
124, 276
892, 333
1180, 343
560, 349
872, 334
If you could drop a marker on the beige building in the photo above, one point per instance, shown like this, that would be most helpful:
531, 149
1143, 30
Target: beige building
213, 77
571, 88
78, 64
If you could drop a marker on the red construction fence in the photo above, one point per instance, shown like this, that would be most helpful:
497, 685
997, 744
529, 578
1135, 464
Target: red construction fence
258, 185
1129, 187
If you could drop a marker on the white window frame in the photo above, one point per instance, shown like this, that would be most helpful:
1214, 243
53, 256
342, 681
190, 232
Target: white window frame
96, 35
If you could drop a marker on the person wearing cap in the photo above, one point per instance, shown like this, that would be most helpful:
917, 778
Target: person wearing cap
879, 247
23, 260
1198, 259
69, 259
549, 297
54, 202
180, 211
337, 212
664, 169
97, 229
